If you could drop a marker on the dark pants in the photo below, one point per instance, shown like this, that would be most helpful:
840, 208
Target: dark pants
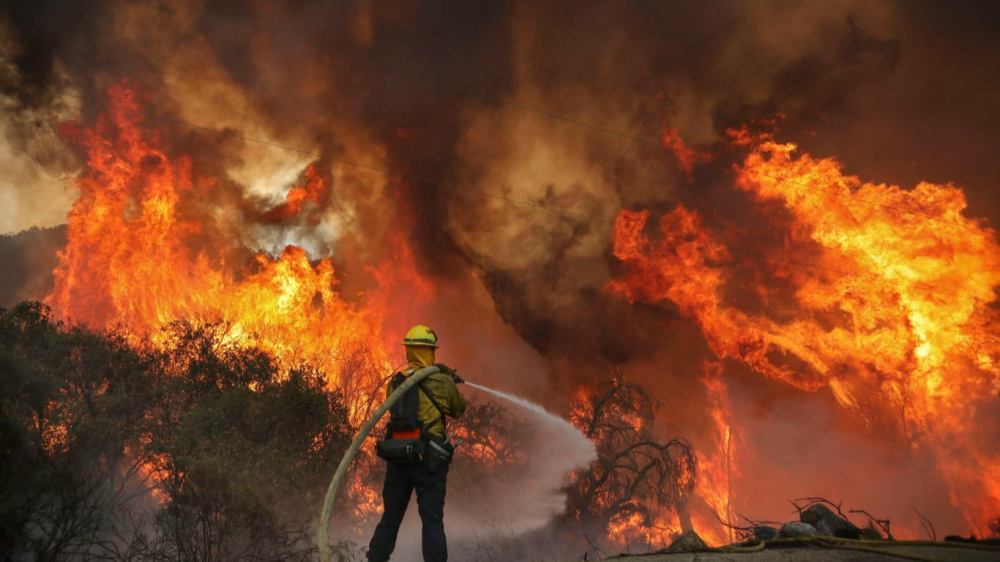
400, 481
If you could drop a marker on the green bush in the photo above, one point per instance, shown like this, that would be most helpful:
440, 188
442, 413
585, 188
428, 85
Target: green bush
200, 449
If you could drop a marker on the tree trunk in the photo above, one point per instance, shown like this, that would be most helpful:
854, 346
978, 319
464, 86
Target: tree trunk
684, 517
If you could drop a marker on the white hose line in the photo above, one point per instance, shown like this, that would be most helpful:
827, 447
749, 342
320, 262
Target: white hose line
331, 492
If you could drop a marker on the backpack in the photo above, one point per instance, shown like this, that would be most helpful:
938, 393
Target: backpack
406, 439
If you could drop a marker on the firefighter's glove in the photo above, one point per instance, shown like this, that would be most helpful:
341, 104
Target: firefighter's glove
450, 372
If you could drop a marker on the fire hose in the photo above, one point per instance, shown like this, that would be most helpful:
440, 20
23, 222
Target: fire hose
338, 476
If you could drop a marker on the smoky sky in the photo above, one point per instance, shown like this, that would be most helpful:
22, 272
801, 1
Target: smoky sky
900, 92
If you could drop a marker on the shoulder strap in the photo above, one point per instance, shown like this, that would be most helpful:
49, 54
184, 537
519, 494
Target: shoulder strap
444, 424
396, 379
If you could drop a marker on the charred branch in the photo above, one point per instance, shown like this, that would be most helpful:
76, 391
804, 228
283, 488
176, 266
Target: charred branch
636, 475
883, 524
926, 523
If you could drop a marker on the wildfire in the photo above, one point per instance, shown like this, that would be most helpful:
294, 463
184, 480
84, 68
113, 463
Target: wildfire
313, 193
136, 256
891, 310
139, 255
687, 157
718, 468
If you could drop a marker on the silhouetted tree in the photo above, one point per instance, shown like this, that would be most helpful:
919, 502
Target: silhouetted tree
72, 428
636, 474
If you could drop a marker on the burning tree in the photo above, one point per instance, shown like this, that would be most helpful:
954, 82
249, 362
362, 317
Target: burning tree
895, 313
492, 435
636, 476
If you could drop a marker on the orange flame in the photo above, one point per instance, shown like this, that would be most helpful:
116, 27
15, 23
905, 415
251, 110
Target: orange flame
718, 469
313, 192
895, 303
135, 255
686, 156
138, 255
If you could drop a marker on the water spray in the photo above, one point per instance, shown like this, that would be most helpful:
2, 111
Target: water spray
530, 406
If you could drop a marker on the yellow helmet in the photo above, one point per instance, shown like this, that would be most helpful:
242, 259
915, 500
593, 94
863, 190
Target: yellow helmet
421, 335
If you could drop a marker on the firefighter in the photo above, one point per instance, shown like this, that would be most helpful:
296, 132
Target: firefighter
418, 427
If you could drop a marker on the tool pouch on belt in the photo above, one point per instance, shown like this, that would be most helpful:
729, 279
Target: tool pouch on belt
439, 453
401, 450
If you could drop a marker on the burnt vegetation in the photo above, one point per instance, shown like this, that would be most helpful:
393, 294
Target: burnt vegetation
636, 475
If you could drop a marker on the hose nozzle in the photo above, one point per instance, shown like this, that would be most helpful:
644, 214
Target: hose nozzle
450, 372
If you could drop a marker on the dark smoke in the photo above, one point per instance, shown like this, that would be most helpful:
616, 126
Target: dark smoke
28, 259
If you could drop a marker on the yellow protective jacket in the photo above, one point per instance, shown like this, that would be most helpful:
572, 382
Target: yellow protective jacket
442, 387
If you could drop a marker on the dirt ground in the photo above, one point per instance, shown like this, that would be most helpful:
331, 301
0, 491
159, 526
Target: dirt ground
815, 554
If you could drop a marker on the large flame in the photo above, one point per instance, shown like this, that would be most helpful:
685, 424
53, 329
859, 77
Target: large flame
718, 466
134, 257
893, 305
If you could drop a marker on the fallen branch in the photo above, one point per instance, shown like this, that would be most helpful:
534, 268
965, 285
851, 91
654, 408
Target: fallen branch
882, 523
813, 501
928, 526
597, 551
742, 533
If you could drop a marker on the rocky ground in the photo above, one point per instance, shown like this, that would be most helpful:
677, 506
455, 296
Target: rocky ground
815, 554
821, 535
